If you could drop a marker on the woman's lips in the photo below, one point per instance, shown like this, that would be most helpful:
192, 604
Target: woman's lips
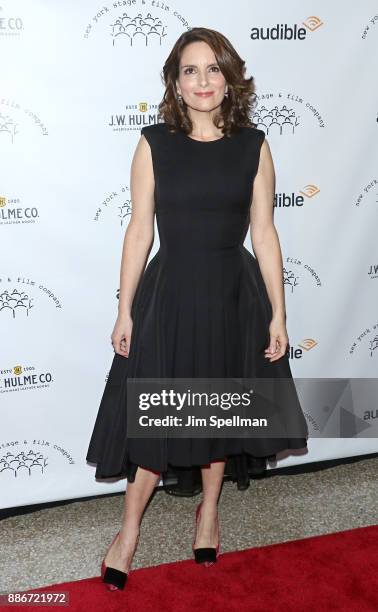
205, 94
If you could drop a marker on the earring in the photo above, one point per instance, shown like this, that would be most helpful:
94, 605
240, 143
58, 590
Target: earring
226, 93
179, 97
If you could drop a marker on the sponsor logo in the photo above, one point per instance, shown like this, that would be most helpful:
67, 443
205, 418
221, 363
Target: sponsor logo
285, 31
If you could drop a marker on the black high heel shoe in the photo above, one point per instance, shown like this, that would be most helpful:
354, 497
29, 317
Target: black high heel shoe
209, 555
114, 579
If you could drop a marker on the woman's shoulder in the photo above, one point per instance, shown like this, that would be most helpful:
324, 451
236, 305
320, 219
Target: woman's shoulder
154, 133
254, 132
254, 137
153, 128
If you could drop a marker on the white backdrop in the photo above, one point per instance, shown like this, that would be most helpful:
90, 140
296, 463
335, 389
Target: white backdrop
78, 81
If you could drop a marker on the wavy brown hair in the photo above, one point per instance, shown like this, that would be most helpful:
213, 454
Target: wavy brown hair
235, 108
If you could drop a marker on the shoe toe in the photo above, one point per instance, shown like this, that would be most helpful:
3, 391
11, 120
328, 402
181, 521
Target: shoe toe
205, 555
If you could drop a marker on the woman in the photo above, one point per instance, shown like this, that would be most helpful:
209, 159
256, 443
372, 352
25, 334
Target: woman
202, 307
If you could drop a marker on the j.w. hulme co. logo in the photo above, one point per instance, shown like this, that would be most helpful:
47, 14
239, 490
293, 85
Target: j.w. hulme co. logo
11, 24
133, 117
23, 378
13, 212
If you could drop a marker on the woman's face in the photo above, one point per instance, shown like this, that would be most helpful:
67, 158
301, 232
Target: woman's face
199, 73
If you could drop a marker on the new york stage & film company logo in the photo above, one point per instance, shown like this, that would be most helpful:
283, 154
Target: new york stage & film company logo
368, 340
23, 378
16, 119
13, 213
145, 24
10, 24
119, 203
371, 26
18, 295
133, 118
284, 31
296, 275
368, 195
295, 271
280, 113
28, 458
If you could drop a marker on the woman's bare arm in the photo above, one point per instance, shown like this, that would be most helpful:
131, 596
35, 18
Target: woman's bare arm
264, 237
266, 246
139, 235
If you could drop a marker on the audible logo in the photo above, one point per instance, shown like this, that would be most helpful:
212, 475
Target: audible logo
310, 190
308, 344
283, 31
285, 200
297, 353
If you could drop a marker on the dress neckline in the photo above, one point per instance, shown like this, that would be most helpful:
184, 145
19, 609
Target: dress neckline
202, 141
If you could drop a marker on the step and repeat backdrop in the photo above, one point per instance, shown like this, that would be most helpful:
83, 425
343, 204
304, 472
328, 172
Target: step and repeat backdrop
78, 81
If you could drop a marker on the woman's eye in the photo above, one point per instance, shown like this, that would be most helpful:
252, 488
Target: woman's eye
189, 70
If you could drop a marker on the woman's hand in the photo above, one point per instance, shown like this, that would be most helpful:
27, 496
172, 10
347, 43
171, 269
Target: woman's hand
279, 340
121, 336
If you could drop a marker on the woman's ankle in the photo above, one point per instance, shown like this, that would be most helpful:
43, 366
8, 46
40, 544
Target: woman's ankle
129, 532
209, 506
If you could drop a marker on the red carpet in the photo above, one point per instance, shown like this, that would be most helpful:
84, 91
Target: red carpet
338, 571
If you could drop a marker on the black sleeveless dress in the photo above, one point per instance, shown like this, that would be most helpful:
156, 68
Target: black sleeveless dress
201, 308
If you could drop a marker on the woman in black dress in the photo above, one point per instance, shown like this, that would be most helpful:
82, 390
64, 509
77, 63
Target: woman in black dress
204, 306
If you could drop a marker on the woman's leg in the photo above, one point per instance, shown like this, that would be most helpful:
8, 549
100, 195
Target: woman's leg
137, 495
212, 478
